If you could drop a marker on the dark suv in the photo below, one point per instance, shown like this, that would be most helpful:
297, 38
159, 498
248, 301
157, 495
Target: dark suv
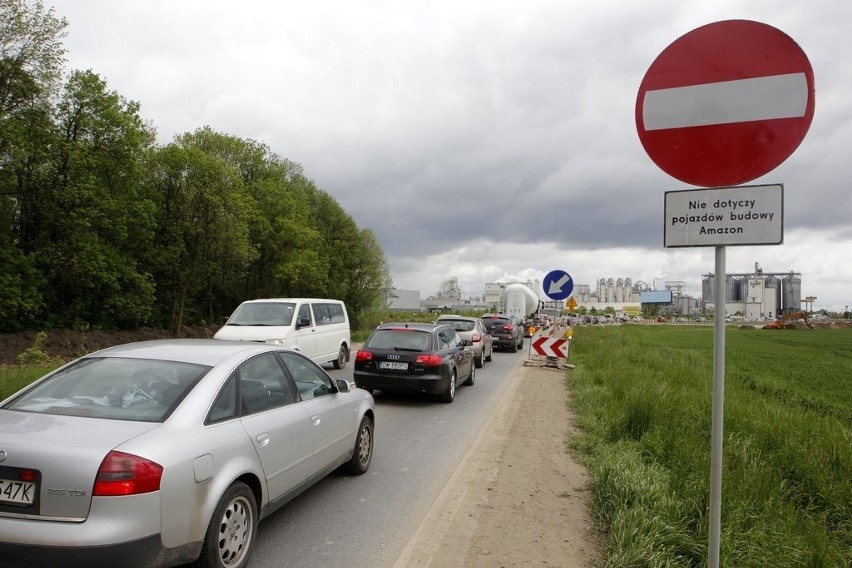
506, 331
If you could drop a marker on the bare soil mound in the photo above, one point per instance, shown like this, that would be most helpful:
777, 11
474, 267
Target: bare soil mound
68, 344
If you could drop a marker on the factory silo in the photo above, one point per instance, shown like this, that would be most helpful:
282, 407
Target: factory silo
742, 289
773, 287
732, 289
792, 293
708, 283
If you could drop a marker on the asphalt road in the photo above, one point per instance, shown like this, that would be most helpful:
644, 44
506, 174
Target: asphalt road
367, 521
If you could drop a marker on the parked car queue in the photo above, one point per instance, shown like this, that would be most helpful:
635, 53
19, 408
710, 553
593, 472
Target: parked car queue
166, 452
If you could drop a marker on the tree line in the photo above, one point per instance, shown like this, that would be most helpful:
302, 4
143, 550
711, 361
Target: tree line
102, 227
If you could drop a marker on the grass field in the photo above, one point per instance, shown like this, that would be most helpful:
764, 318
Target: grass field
642, 395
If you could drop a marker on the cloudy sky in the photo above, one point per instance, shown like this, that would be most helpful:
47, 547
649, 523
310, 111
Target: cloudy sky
481, 139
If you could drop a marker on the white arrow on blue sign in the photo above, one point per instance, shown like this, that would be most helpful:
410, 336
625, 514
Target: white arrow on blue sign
558, 285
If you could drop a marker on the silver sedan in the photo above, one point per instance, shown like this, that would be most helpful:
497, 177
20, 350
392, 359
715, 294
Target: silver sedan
163, 452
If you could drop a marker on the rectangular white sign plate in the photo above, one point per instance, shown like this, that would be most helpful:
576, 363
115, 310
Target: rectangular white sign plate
740, 215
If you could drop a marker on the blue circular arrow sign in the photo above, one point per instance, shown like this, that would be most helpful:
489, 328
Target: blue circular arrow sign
558, 285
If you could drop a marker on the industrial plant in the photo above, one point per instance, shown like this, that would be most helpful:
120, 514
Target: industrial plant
755, 296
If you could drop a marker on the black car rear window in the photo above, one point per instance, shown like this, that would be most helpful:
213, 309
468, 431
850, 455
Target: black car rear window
401, 339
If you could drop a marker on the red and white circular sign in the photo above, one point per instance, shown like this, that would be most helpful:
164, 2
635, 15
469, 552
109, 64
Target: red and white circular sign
725, 103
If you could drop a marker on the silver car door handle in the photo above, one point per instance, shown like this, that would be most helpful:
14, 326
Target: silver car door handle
262, 439
315, 419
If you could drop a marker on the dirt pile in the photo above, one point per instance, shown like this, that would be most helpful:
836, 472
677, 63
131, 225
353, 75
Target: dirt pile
68, 344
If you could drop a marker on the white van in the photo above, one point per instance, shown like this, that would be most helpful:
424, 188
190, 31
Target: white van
316, 327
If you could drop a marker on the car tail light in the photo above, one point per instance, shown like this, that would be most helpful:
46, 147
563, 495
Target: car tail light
477, 338
508, 327
27, 475
126, 474
430, 360
361, 356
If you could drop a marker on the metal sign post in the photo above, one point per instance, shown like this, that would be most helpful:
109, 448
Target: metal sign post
715, 538
723, 105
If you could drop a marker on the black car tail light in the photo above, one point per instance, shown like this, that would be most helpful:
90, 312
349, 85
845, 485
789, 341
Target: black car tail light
430, 360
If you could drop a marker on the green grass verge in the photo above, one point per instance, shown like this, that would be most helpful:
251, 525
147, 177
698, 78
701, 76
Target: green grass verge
642, 395
15, 377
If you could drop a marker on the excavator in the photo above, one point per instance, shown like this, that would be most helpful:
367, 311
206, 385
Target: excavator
788, 321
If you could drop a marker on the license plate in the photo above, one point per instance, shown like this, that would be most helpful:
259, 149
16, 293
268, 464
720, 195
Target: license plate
393, 365
18, 492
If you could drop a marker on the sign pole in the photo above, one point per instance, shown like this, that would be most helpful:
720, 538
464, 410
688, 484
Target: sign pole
718, 411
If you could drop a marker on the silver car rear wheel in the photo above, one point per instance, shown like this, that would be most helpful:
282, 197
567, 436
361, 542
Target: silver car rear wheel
232, 530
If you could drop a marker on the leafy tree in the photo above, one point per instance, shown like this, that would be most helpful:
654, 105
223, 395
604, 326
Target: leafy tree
99, 226
279, 225
368, 277
93, 218
31, 59
20, 289
202, 227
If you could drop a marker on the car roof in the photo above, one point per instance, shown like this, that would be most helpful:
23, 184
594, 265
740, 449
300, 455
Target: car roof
418, 326
288, 300
446, 317
198, 351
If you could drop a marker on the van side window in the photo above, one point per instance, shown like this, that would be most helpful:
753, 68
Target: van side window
326, 313
311, 381
304, 314
321, 314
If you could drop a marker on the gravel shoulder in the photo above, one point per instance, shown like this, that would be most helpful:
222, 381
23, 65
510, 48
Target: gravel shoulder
519, 498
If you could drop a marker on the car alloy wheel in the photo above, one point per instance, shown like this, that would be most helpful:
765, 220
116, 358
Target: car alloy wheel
362, 455
450, 394
231, 532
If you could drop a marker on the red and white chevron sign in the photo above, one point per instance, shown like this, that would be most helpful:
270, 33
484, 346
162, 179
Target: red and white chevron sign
550, 346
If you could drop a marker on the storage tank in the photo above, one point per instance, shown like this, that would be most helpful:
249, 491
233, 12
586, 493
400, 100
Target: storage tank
773, 283
742, 289
708, 283
732, 289
520, 300
791, 293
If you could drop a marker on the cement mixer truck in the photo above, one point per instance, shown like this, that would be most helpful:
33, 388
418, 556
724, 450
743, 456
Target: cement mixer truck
519, 301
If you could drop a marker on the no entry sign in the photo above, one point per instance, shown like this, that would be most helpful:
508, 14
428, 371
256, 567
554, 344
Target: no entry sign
726, 103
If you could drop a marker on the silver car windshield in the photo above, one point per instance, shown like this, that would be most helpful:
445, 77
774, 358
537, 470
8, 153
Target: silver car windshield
263, 313
113, 388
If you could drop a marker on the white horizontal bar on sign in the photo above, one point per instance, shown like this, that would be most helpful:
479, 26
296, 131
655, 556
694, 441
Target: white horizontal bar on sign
743, 100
